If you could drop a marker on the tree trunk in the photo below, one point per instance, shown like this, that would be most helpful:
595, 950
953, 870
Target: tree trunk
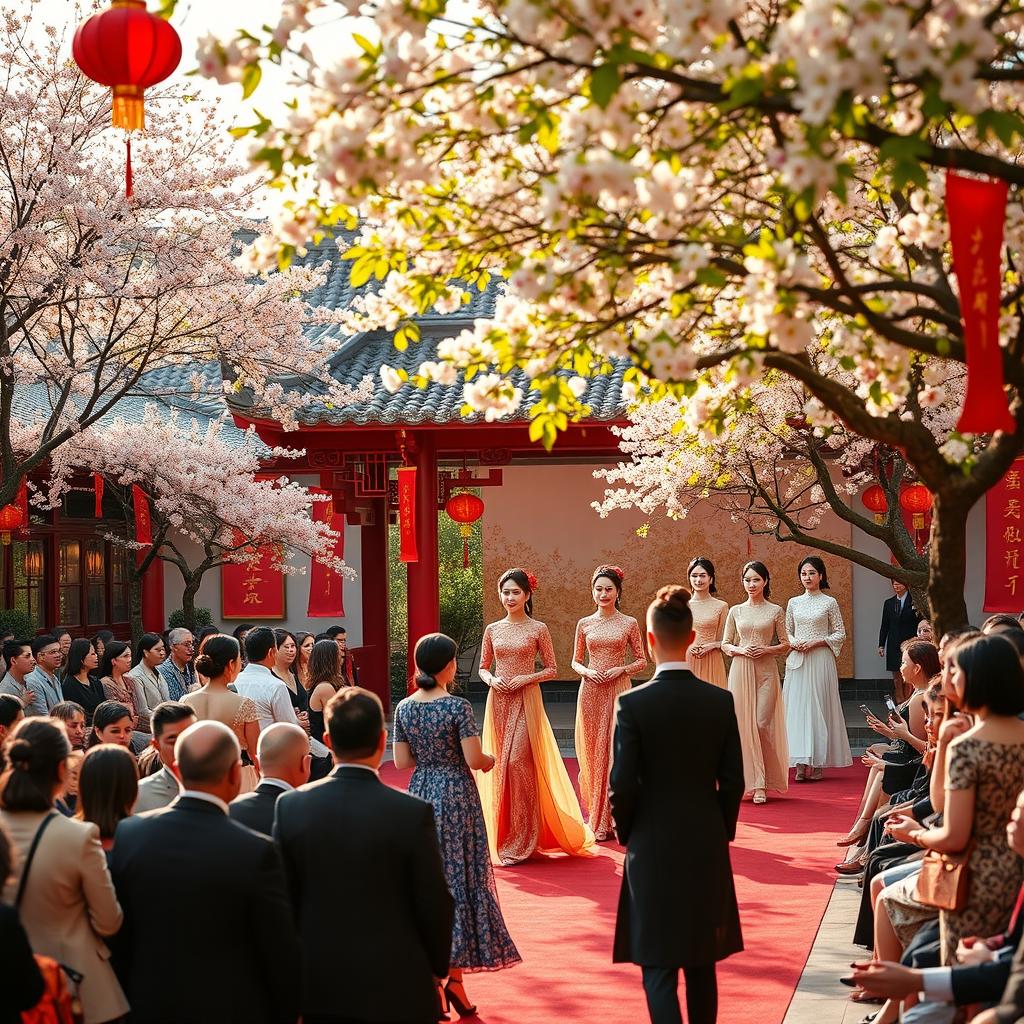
947, 560
188, 599
135, 604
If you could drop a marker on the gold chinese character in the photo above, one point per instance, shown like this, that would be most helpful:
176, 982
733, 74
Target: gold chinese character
251, 597
1011, 583
1012, 535
980, 302
1013, 480
1011, 510
1011, 558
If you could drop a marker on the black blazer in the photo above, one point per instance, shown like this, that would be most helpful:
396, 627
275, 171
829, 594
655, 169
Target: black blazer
896, 629
675, 810
23, 984
208, 934
391, 895
999, 981
255, 810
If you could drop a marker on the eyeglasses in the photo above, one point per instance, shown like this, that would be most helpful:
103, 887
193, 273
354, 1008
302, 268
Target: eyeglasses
184, 643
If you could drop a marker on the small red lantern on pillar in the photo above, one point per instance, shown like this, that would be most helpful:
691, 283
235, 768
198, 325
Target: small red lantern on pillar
917, 500
875, 501
11, 519
465, 509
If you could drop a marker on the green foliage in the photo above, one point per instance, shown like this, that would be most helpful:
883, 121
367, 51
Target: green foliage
202, 617
18, 622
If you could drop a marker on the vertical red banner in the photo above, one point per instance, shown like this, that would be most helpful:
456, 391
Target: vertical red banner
97, 487
407, 551
326, 596
143, 523
1004, 543
976, 210
252, 590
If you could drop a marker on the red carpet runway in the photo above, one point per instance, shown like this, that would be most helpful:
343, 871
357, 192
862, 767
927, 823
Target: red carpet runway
561, 913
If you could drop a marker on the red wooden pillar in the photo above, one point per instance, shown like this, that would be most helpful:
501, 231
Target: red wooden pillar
374, 660
153, 619
424, 600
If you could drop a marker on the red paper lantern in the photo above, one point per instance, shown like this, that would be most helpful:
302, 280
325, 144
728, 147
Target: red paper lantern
129, 49
11, 519
465, 509
874, 500
917, 500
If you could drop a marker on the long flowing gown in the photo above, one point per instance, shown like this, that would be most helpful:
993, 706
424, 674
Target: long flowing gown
434, 731
815, 726
602, 641
244, 712
528, 801
754, 685
709, 615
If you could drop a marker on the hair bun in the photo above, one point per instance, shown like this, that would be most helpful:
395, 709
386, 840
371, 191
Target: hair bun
680, 595
19, 753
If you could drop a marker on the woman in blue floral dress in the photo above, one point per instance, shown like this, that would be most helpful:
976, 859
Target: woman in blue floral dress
436, 734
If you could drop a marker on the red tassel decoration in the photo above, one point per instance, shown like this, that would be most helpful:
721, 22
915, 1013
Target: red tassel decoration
129, 181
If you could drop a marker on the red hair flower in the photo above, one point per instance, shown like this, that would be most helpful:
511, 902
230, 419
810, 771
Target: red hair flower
532, 580
619, 572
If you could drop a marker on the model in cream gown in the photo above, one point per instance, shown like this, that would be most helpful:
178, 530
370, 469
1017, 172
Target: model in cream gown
754, 684
705, 656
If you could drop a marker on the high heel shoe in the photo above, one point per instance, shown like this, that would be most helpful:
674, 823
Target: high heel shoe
854, 836
760, 796
442, 1002
460, 1007
800, 775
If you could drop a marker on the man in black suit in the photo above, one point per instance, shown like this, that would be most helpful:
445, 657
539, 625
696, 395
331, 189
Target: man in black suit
675, 811
283, 760
899, 624
392, 894
208, 932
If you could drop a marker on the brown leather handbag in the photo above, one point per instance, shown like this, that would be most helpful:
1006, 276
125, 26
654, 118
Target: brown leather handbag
944, 880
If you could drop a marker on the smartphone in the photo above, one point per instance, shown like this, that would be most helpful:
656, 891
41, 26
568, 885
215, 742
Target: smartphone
866, 710
891, 705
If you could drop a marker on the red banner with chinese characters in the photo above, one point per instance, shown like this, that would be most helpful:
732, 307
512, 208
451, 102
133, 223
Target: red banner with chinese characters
1004, 543
976, 210
97, 486
143, 524
326, 597
407, 551
252, 590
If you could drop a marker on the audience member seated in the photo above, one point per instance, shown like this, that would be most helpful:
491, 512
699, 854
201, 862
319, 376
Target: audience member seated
67, 902
108, 784
100, 642
44, 679
79, 684
12, 711
386, 840
169, 720
228, 951
23, 983
150, 686
116, 663
67, 802
72, 716
283, 760
111, 723
20, 663
176, 669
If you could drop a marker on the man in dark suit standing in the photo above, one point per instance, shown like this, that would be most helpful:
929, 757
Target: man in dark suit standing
283, 760
392, 895
675, 811
899, 624
222, 946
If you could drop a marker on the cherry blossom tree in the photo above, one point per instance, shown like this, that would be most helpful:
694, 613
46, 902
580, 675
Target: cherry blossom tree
717, 189
105, 298
210, 504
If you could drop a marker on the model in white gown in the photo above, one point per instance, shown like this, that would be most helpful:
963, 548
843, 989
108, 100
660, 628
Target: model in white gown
815, 726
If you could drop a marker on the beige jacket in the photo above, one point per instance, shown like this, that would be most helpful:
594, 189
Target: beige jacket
69, 903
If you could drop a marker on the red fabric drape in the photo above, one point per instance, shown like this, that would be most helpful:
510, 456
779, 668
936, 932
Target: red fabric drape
1004, 543
252, 590
143, 523
326, 596
407, 514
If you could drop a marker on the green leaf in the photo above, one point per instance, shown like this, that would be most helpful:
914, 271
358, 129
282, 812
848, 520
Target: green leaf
604, 84
370, 49
166, 9
711, 276
1002, 123
251, 79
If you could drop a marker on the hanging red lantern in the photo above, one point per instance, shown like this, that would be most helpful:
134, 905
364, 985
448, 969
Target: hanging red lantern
917, 500
11, 519
875, 501
465, 509
129, 49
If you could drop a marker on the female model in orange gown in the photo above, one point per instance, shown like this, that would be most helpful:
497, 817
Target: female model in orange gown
528, 801
709, 615
599, 658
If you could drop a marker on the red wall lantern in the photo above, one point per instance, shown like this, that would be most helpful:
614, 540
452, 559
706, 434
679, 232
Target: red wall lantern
11, 519
917, 500
465, 509
128, 49
875, 501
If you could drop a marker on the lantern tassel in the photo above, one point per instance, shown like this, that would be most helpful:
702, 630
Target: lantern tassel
465, 552
129, 179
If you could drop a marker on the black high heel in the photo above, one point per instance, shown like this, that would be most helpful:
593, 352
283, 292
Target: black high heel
442, 1003
460, 1007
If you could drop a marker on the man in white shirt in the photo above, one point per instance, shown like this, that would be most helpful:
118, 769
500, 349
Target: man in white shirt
169, 720
42, 680
283, 759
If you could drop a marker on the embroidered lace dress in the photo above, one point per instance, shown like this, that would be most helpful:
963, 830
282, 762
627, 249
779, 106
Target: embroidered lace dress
602, 643
709, 615
528, 801
235, 714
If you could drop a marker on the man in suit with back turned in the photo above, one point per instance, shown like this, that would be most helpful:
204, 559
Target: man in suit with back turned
675, 811
392, 894
208, 932
283, 760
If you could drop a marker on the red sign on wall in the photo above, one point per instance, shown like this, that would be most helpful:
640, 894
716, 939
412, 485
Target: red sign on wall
1004, 543
407, 551
326, 597
252, 590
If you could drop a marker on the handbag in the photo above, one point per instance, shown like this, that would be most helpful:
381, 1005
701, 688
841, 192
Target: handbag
58, 1005
944, 880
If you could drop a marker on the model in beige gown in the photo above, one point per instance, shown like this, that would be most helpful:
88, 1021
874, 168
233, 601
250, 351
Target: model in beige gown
755, 634
709, 615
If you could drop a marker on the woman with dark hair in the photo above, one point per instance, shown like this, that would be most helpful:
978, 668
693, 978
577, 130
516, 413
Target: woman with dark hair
287, 654
528, 801
67, 900
108, 786
113, 673
709, 615
100, 641
755, 635
815, 726
149, 686
12, 711
602, 640
219, 663
79, 683
111, 723
436, 733
304, 642
324, 680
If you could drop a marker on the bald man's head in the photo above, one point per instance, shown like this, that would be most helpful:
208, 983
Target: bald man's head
206, 754
283, 753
